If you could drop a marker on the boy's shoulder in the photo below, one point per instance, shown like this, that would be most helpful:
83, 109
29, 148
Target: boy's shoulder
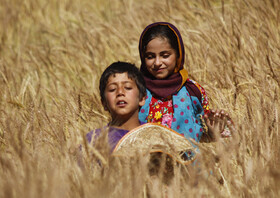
95, 133
112, 132
114, 135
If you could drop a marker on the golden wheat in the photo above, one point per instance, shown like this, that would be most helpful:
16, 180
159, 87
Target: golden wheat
52, 54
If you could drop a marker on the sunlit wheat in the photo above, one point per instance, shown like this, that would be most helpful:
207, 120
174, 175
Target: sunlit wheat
52, 54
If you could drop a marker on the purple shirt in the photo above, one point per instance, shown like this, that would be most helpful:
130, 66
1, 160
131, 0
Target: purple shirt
114, 135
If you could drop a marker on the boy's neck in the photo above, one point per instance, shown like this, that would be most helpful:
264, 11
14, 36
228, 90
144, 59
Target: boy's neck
126, 124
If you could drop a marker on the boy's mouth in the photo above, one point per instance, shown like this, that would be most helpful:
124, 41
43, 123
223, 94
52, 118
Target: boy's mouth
121, 103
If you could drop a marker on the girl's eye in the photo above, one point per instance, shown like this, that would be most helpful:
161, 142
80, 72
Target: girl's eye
149, 56
128, 88
166, 55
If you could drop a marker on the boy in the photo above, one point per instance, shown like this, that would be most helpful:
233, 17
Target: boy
122, 91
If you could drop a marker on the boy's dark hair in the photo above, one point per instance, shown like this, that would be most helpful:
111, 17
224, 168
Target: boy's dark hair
122, 67
162, 31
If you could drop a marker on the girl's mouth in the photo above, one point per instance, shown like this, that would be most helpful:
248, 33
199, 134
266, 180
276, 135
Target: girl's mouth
159, 70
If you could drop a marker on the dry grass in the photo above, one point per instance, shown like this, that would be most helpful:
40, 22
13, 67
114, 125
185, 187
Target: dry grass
52, 54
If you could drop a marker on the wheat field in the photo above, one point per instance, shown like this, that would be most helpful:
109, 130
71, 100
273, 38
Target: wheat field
52, 54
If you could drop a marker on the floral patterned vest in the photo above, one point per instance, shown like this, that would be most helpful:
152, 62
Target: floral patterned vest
187, 115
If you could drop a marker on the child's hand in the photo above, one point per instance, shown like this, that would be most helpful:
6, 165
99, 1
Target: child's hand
219, 124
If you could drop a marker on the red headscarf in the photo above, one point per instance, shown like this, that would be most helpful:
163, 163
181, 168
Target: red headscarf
165, 88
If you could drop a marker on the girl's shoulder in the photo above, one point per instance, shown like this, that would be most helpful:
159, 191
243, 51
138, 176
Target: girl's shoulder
195, 89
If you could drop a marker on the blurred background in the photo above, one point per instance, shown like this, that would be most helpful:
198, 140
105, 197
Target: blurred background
52, 54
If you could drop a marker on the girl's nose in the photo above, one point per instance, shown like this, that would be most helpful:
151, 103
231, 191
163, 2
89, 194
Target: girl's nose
157, 61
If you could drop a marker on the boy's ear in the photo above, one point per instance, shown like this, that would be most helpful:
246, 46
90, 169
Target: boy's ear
142, 101
104, 104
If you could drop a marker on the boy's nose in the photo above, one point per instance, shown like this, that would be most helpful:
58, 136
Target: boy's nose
120, 91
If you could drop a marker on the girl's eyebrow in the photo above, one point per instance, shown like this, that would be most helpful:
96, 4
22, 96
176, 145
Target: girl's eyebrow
166, 51
162, 52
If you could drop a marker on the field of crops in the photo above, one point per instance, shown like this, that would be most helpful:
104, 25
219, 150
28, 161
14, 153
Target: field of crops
52, 54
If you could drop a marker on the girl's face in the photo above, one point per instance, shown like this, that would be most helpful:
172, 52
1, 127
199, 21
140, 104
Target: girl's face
160, 58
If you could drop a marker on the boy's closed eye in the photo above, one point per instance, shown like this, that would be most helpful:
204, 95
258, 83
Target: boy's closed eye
113, 87
111, 90
128, 88
128, 85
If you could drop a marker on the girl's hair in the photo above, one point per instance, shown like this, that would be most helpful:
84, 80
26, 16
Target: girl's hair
122, 67
162, 31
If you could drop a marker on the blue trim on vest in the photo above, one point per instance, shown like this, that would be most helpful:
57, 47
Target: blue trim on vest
187, 112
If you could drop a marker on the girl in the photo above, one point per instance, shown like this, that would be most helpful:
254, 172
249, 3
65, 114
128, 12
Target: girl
172, 99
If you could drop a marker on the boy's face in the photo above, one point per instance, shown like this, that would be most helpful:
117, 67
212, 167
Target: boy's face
122, 96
